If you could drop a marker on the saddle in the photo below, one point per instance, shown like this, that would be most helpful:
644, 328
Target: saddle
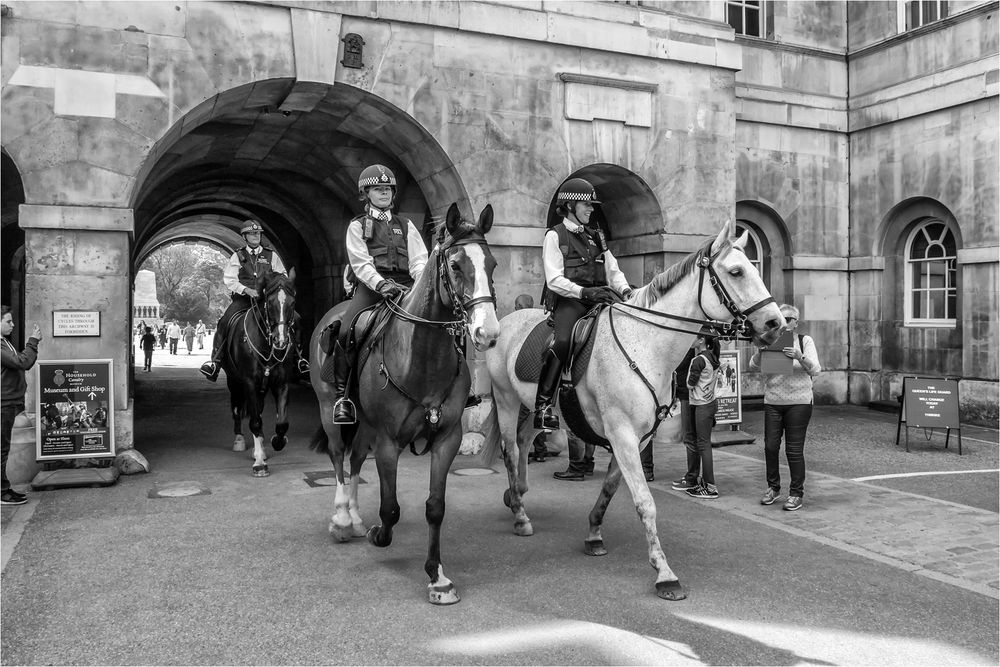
528, 368
366, 328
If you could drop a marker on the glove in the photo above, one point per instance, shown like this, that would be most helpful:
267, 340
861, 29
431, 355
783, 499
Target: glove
600, 295
389, 289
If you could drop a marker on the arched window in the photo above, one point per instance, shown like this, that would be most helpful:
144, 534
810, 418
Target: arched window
930, 281
754, 249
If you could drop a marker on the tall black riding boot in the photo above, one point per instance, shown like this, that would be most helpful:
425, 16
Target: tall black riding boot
343, 409
211, 368
547, 384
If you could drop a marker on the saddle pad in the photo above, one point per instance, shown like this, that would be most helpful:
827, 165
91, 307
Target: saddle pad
528, 367
569, 404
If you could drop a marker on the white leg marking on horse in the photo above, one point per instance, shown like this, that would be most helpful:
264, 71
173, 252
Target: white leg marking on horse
341, 521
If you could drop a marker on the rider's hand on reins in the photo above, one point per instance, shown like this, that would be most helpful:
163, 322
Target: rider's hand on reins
600, 295
251, 292
389, 289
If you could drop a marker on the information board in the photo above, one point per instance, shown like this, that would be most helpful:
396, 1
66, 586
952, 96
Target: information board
729, 391
930, 402
75, 403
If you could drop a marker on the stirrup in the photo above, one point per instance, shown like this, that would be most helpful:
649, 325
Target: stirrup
344, 412
545, 420
210, 369
303, 365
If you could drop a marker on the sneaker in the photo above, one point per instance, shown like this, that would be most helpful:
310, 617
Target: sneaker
769, 496
12, 497
705, 492
683, 484
793, 503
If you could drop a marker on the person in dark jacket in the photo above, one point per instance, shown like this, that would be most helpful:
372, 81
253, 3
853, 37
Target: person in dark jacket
148, 342
386, 255
580, 272
702, 381
14, 385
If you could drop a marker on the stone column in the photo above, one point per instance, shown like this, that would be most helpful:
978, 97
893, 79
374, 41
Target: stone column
77, 258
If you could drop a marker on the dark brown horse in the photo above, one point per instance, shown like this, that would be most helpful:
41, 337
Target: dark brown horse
412, 385
260, 357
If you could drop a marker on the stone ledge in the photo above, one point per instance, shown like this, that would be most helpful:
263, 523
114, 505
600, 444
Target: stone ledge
40, 216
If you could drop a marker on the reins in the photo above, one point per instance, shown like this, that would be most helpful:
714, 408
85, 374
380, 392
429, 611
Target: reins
264, 325
736, 330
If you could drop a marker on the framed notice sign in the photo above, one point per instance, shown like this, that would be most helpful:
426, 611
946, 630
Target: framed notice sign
930, 403
76, 323
75, 403
729, 390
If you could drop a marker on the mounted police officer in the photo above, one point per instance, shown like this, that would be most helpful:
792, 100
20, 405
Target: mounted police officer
239, 277
387, 255
580, 272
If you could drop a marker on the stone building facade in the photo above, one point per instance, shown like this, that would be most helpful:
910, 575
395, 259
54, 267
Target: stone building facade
836, 137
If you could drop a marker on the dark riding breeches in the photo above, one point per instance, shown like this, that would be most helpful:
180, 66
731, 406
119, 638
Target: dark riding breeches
567, 313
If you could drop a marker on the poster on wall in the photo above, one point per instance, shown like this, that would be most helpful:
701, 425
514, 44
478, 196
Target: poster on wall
729, 391
75, 403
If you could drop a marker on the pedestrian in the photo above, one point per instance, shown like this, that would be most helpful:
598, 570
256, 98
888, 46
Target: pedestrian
581, 460
13, 384
200, 331
688, 435
580, 272
148, 343
386, 255
188, 334
702, 380
173, 335
539, 449
788, 404
240, 279
161, 333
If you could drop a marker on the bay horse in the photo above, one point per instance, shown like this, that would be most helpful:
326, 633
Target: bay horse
625, 391
412, 384
260, 357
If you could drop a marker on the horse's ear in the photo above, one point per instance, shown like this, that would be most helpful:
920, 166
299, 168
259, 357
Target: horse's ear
453, 219
486, 219
741, 242
720, 241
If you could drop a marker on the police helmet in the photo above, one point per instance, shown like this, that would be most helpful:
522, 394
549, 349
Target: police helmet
376, 174
251, 226
577, 189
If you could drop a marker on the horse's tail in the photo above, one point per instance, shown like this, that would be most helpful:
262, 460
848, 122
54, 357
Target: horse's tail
492, 442
320, 442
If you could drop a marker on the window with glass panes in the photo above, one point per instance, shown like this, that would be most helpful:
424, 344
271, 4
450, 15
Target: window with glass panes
921, 12
746, 17
931, 275
753, 249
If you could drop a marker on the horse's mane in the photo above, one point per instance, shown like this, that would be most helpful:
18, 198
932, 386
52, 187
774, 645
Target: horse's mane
271, 280
662, 282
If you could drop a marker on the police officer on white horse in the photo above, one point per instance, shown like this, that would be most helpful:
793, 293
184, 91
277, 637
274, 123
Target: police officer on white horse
387, 255
240, 277
580, 272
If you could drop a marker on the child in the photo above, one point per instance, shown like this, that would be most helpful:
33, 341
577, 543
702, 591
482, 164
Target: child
702, 380
147, 344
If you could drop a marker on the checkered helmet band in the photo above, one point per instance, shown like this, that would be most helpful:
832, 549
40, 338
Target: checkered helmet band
577, 189
376, 175
251, 226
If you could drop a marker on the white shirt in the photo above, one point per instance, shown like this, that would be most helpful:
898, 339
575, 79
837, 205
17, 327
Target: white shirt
363, 263
555, 271
230, 277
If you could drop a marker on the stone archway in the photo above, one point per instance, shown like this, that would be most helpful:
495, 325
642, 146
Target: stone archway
258, 151
11, 198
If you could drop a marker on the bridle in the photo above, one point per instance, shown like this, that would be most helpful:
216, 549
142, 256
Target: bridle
263, 320
740, 317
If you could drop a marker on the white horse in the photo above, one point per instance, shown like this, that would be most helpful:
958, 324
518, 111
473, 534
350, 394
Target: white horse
623, 402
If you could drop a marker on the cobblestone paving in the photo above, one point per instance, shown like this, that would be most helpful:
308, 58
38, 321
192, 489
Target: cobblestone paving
952, 543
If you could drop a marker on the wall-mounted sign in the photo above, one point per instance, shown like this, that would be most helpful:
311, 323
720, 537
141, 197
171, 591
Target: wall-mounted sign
729, 390
76, 323
353, 50
75, 402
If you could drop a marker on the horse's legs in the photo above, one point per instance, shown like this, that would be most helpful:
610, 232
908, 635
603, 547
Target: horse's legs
594, 545
387, 459
440, 590
627, 455
236, 404
255, 405
358, 454
280, 394
515, 458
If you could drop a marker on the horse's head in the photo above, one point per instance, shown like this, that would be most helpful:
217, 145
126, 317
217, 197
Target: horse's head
734, 289
278, 300
466, 268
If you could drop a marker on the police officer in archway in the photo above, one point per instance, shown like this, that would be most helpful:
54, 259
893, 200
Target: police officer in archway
239, 277
387, 255
580, 272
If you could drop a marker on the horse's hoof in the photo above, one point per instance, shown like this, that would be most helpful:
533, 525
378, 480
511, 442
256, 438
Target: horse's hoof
670, 590
506, 497
239, 444
595, 548
278, 442
261, 471
340, 533
524, 529
446, 595
358, 530
373, 537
